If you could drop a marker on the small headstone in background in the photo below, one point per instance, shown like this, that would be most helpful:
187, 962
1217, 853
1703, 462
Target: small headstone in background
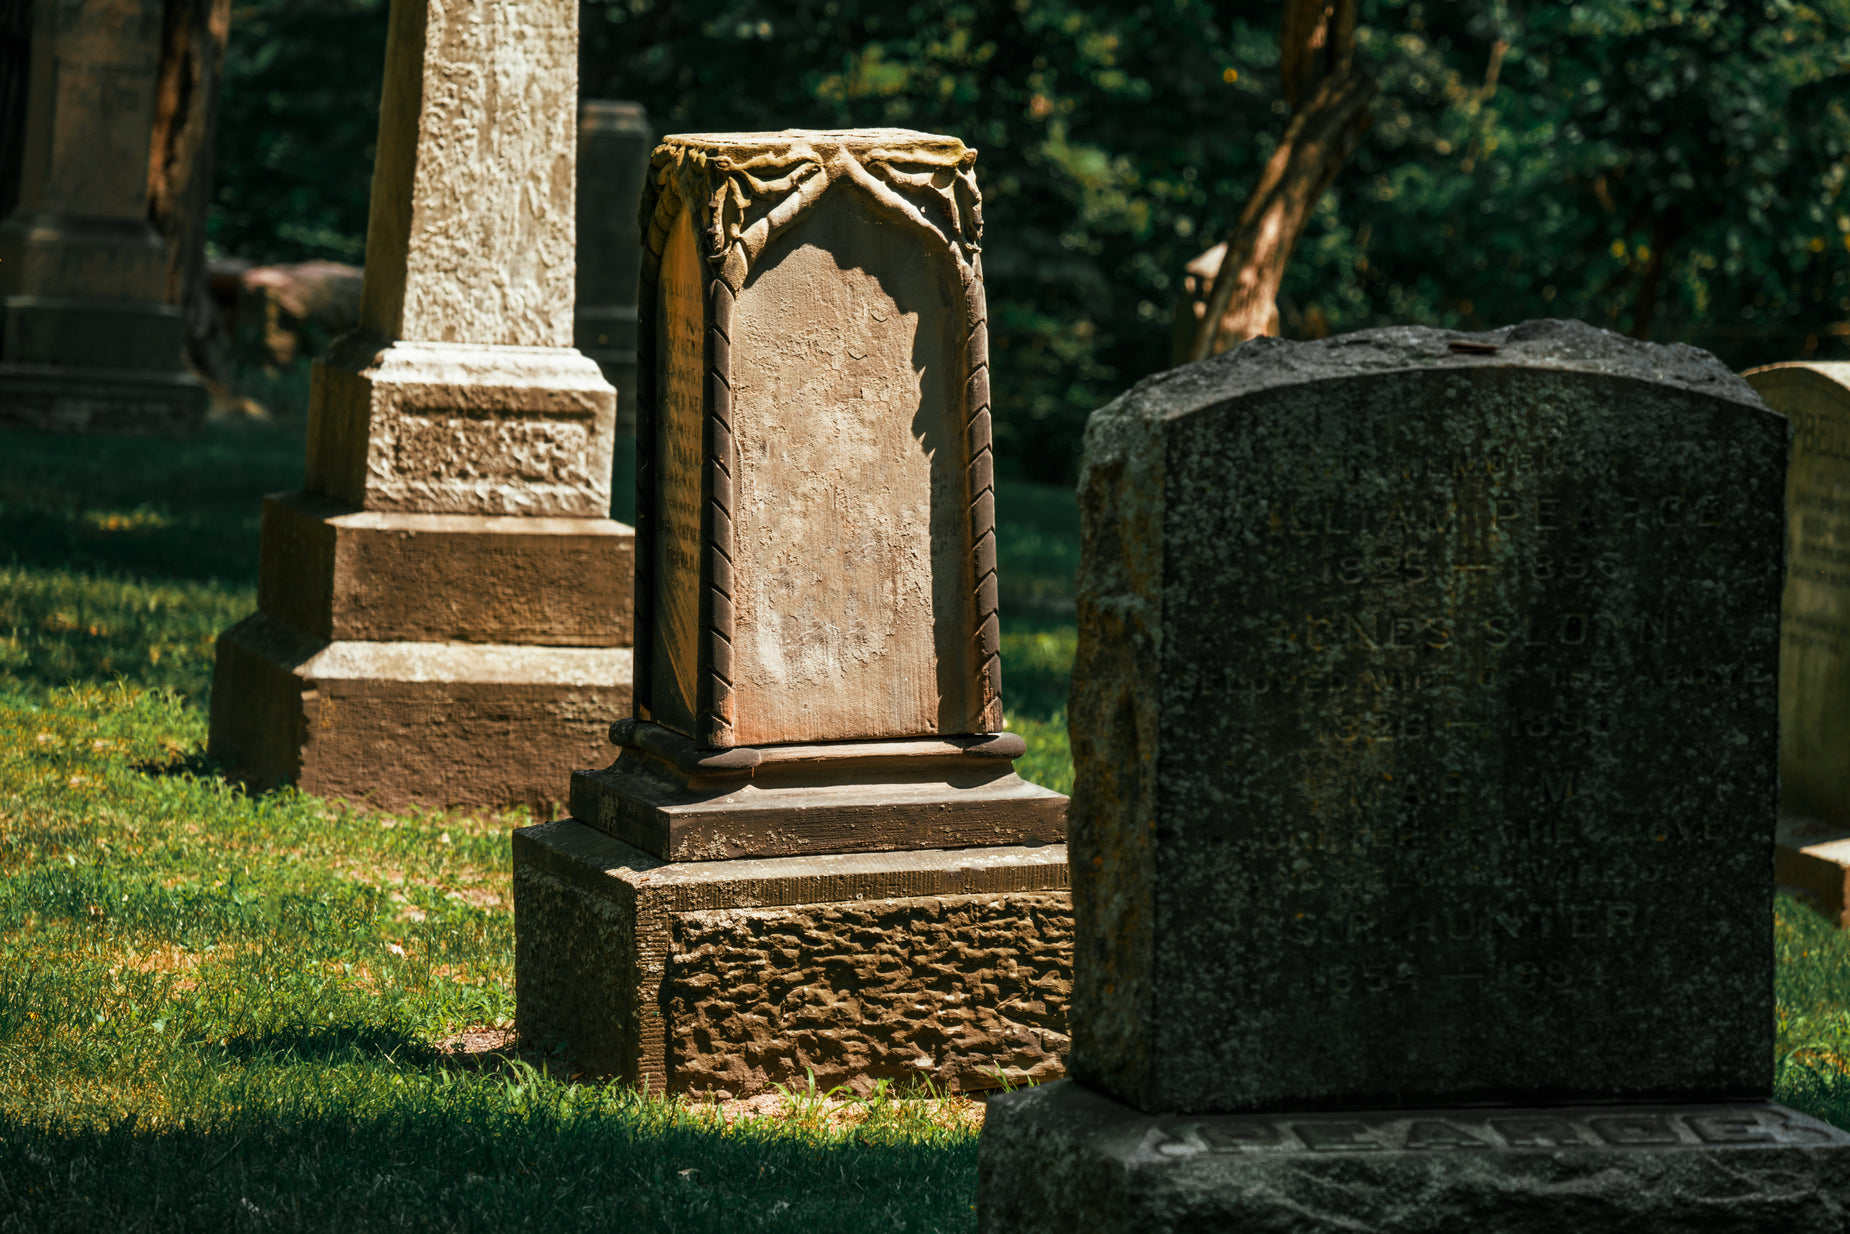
1812, 855
88, 341
1425, 729
444, 613
614, 140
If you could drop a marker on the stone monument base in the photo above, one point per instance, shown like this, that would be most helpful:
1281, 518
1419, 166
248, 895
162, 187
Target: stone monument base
1062, 1158
51, 398
681, 801
394, 724
726, 977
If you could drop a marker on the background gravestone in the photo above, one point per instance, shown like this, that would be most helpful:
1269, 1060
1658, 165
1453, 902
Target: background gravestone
614, 141
1813, 852
87, 338
444, 612
813, 851
1425, 728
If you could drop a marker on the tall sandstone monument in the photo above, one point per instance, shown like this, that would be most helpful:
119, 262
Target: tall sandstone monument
88, 340
813, 854
444, 612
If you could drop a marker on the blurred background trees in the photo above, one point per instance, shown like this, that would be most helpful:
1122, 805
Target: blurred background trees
1674, 169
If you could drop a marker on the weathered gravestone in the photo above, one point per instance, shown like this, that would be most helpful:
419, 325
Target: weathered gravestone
88, 340
1425, 725
444, 612
614, 141
1812, 854
813, 851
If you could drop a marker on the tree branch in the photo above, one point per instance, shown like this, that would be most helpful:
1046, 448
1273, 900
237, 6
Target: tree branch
1319, 140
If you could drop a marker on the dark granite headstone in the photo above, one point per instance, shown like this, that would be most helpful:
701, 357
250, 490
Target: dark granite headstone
1425, 722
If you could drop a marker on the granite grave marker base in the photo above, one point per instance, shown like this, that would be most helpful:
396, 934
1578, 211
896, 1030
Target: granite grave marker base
1061, 1158
728, 977
46, 398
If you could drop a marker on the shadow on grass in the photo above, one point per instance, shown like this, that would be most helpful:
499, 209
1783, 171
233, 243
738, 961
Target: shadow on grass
331, 1043
146, 508
468, 1161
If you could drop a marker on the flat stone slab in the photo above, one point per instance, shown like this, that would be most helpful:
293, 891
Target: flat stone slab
1061, 1158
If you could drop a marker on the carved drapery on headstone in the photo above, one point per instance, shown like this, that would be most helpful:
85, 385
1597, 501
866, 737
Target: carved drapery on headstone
717, 210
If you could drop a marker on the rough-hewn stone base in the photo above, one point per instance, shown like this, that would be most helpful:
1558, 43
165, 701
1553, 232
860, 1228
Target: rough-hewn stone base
72, 400
394, 724
731, 976
1062, 1158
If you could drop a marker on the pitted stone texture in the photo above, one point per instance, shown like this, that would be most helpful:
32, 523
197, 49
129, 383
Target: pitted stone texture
737, 975
1058, 1159
472, 228
436, 429
950, 987
1425, 726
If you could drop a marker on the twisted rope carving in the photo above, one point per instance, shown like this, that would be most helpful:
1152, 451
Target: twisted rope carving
717, 715
980, 489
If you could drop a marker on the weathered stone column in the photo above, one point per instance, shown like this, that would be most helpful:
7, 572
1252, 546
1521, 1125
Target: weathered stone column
813, 851
444, 612
87, 340
614, 141
1811, 854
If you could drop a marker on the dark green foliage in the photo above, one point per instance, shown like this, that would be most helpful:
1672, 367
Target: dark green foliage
297, 122
1677, 165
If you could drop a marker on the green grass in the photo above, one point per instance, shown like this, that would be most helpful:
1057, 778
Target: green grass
220, 1011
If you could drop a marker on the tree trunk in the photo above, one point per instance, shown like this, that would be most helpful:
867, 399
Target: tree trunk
180, 169
1317, 59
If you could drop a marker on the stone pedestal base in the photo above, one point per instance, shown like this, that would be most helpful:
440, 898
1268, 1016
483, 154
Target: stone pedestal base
1811, 859
479, 725
1063, 1158
97, 366
428, 659
339, 573
731, 976
682, 802
72, 400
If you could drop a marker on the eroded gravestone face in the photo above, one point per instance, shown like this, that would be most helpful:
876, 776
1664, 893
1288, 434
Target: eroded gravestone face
814, 492
1425, 721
